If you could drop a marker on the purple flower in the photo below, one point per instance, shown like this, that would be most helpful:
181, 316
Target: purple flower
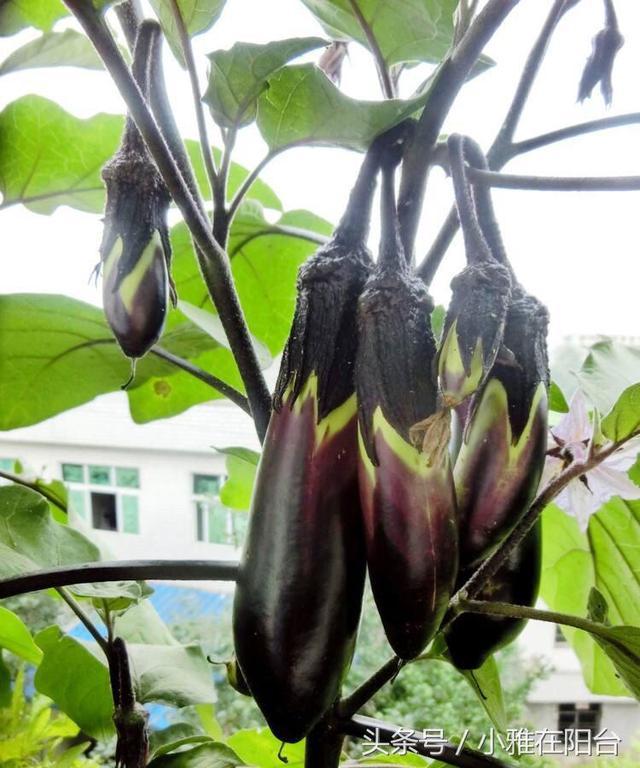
570, 441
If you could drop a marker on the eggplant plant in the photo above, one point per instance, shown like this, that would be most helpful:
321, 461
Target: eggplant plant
427, 447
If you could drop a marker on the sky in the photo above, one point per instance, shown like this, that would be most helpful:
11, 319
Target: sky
578, 252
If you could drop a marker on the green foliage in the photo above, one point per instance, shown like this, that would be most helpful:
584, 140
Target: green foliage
210, 755
18, 14
16, 638
623, 420
197, 16
239, 75
53, 49
50, 158
32, 733
241, 464
302, 106
416, 30
260, 748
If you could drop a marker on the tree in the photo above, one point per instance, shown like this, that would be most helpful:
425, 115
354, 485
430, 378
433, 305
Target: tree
184, 309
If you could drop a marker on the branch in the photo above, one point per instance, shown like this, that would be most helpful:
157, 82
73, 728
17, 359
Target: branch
555, 183
525, 612
460, 756
49, 495
381, 65
213, 381
187, 52
249, 180
84, 618
214, 261
571, 131
129, 15
501, 149
450, 77
353, 703
121, 570
495, 561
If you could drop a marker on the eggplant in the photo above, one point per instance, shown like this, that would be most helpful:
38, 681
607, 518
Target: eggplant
473, 637
299, 592
406, 485
135, 252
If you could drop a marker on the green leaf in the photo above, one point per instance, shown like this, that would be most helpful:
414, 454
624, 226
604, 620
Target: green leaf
143, 625
31, 540
165, 740
259, 190
213, 755
414, 30
597, 607
76, 680
16, 638
622, 646
241, 465
197, 17
53, 49
573, 563
557, 400
49, 158
437, 321
264, 263
608, 369
302, 106
623, 420
18, 14
485, 683
114, 596
239, 75
260, 748
176, 744
5, 683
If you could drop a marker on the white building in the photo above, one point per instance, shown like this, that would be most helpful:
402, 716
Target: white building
150, 491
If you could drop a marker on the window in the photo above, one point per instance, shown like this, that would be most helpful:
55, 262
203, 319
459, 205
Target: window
106, 497
7, 465
584, 717
214, 522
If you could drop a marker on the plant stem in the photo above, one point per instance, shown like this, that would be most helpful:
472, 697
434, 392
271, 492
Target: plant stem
49, 496
121, 570
525, 612
555, 183
213, 381
460, 756
249, 180
222, 217
129, 15
84, 618
495, 561
447, 82
381, 65
187, 52
571, 131
355, 701
324, 746
214, 262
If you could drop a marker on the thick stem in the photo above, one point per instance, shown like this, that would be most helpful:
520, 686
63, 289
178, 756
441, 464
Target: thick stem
324, 746
122, 570
129, 15
384, 75
555, 183
354, 703
445, 752
187, 52
213, 260
450, 78
213, 381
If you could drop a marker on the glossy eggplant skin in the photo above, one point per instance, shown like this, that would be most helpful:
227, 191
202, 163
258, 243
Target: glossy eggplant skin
298, 597
406, 485
473, 637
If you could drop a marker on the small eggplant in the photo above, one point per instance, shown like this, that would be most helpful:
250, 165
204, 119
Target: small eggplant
406, 485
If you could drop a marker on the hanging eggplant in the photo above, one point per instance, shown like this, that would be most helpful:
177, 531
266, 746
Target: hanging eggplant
406, 485
135, 252
299, 592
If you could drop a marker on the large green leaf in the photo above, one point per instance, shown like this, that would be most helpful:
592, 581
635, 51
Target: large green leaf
414, 30
239, 75
31, 540
241, 465
18, 14
302, 106
486, 684
53, 49
212, 755
606, 558
47, 341
50, 158
261, 748
77, 680
197, 16
16, 638
264, 261
143, 625
259, 190
623, 420
622, 646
